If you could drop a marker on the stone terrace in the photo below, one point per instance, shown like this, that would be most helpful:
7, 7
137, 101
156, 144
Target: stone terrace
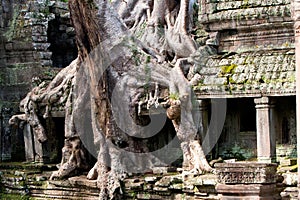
163, 183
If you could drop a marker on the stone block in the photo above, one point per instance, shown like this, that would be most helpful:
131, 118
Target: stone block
160, 170
82, 181
149, 196
290, 178
151, 179
45, 55
9, 46
246, 173
287, 162
46, 63
168, 181
39, 38
41, 46
247, 192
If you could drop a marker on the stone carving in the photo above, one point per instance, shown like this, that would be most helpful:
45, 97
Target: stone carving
247, 180
246, 173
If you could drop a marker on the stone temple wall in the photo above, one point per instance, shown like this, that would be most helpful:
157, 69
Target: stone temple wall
26, 51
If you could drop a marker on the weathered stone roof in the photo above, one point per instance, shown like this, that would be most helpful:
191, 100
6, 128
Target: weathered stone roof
239, 13
248, 74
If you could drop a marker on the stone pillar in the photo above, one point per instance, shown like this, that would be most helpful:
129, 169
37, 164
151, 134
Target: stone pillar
265, 128
28, 141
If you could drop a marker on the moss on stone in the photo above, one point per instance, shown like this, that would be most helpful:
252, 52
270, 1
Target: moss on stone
15, 196
291, 79
230, 80
228, 69
10, 33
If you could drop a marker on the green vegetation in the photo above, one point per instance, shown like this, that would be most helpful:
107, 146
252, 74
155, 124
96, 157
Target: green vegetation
238, 153
245, 4
50, 73
231, 80
199, 85
292, 79
8, 196
4, 196
141, 30
228, 69
174, 96
10, 33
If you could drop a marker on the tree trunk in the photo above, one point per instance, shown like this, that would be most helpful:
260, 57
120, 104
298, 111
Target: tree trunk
113, 66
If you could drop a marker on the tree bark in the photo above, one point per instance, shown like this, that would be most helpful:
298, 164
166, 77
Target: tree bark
107, 56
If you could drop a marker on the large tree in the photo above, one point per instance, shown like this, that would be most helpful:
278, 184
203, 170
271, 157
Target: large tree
129, 53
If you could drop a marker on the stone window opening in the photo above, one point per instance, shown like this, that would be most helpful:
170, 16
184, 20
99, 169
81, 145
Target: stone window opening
61, 36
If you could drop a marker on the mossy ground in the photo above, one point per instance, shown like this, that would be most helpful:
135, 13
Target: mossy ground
5, 196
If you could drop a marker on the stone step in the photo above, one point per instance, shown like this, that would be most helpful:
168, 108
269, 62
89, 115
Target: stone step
42, 197
62, 193
19, 172
28, 166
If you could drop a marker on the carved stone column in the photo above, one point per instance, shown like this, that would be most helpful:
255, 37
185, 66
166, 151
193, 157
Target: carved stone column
265, 128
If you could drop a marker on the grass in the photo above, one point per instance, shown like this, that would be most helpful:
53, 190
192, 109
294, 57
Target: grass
4, 196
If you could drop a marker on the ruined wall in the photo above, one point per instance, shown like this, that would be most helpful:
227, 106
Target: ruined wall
249, 25
256, 57
25, 53
255, 41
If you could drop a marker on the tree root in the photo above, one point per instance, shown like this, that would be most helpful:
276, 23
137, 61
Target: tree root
193, 156
73, 158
